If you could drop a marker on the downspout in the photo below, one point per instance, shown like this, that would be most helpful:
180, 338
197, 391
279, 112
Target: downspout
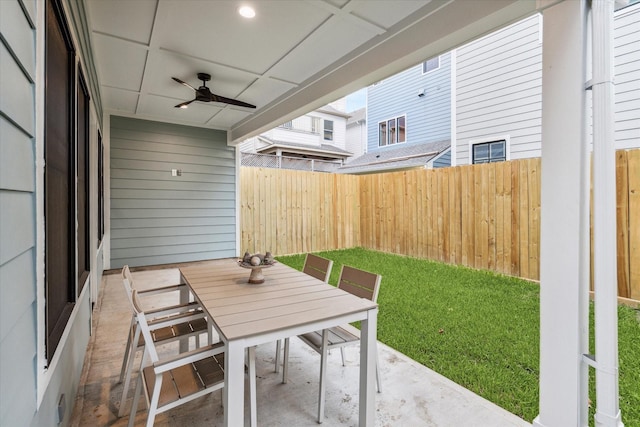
604, 218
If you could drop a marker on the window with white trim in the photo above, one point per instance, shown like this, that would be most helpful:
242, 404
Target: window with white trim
430, 65
392, 131
328, 130
315, 125
489, 152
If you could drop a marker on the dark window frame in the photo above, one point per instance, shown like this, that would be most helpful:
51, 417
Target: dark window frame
492, 156
83, 181
100, 189
59, 149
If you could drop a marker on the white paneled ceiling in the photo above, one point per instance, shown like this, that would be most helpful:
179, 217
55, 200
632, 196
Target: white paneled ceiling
292, 57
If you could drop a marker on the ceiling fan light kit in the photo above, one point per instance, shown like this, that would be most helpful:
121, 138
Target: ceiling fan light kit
203, 94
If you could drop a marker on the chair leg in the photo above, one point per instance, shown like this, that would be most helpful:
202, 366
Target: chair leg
285, 363
342, 354
134, 405
277, 367
323, 372
252, 385
378, 382
127, 351
129, 370
155, 398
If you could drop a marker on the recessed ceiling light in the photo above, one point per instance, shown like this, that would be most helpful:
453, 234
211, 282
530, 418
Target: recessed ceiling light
247, 12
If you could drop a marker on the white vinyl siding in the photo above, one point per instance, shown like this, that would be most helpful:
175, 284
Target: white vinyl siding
627, 77
499, 88
308, 129
157, 218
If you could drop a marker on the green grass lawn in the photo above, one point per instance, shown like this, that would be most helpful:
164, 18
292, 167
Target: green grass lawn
477, 328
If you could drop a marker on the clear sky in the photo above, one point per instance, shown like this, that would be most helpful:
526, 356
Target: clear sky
357, 100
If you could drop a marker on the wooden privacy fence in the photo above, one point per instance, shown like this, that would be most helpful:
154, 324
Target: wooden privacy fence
480, 216
288, 211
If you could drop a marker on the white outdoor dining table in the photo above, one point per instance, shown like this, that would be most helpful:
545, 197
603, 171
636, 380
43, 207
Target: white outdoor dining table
288, 303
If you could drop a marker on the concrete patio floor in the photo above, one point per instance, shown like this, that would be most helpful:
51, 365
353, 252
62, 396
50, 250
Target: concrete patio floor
412, 395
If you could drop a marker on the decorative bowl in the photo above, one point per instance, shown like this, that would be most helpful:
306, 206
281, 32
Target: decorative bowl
256, 277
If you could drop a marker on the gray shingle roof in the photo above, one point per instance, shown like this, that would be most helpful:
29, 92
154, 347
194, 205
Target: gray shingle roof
395, 157
324, 148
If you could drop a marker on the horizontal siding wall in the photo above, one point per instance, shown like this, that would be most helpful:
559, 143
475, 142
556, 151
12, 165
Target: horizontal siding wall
627, 77
428, 117
158, 218
499, 90
18, 329
499, 87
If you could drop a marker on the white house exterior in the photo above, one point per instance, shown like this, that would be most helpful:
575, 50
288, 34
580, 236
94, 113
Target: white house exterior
319, 135
356, 141
497, 89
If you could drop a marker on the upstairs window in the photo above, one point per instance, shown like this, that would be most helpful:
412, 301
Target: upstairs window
430, 65
392, 131
315, 125
288, 125
490, 152
328, 130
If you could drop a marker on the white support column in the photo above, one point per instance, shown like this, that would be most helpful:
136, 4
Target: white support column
604, 218
564, 264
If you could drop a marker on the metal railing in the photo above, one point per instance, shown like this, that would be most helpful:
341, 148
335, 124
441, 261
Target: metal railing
284, 162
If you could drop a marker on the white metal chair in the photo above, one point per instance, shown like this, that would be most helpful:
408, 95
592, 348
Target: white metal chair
357, 282
180, 321
317, 267
173, 381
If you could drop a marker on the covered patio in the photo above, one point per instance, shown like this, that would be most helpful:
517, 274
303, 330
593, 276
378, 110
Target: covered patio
69, 180
412, 395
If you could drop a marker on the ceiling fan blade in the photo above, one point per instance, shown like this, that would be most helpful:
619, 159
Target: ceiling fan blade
218, 98
184, 104
183, 83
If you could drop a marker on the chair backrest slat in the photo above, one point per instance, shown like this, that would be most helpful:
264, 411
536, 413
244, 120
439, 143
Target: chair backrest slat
317, 267
359, 282
144, 327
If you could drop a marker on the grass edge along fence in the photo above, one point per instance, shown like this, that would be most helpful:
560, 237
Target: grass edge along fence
478, 328
480, 216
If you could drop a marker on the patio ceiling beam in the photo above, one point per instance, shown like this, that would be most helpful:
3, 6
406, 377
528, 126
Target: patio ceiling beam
445, 25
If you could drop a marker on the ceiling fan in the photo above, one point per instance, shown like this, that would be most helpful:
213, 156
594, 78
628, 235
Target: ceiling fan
203, 94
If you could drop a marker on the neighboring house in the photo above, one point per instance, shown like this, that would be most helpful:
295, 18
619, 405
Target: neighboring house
320, 135
498, 93
485, 98
356, 133
408, 119
497, 84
